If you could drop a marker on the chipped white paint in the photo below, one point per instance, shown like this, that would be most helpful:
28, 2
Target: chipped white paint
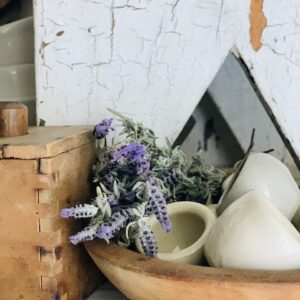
154, 59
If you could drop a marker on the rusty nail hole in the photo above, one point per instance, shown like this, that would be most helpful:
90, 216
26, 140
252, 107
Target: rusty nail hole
58, 251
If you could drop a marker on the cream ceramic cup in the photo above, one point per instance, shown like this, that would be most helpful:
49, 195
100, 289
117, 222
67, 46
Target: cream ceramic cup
268, 175
17, 43
191, 223
253, 234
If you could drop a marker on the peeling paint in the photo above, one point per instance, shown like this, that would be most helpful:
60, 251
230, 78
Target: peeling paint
258, 23
153, 60
42, 48
60, 33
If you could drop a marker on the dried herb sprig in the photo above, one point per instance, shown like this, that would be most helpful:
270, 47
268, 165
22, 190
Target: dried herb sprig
136, 178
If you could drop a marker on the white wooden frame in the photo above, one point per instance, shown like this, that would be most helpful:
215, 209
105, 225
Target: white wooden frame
153, 60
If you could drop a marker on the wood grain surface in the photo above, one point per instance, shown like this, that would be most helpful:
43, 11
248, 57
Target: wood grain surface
45, 141
13, 120
144, 278
37, 260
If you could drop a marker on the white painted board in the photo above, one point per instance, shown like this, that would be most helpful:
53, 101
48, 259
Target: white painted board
153, 60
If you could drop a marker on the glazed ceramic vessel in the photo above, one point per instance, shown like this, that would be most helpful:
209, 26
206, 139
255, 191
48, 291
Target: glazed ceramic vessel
191, 223
265, 173
17, 43
253, 234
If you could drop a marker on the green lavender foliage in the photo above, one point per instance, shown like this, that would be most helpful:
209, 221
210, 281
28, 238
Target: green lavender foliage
196, 181
124, 192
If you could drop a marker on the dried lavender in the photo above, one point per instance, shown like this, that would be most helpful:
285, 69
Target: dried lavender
87, 234
157, 205
133, 156
80, 211
102, 129
148, 241
113, 200
202, 183
136, 178
129, 196
171, 177
118, 220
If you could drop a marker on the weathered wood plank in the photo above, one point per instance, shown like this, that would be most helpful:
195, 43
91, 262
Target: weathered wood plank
34, 238
71, 185
45, 141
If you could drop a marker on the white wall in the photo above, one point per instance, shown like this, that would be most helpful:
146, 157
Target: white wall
154, 60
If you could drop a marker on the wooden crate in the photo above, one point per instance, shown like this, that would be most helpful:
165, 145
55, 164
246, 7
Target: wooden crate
41, 173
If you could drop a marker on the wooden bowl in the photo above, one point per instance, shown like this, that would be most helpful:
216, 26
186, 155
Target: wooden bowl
142, 278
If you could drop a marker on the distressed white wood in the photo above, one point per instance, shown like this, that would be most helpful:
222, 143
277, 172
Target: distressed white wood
276, 66
153, 60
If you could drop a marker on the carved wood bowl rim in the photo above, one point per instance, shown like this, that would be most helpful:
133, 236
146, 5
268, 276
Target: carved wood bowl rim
130, 260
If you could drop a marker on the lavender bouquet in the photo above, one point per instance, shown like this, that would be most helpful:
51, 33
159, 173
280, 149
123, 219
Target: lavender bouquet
136, 178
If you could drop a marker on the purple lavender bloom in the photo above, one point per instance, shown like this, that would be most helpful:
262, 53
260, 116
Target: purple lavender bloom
133, 151
67, 212
109, 178
105, 232
157, 205
142, 167
113, 200
171, 177
148, 241
116, 208
117, 221
129, 196
79, 211
133, 154
87, 234
101, 130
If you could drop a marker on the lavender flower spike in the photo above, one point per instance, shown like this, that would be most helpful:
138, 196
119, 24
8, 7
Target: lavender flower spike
67, 212
148, 241
133, 154
157, 205
101, 130
87, 234
113, 200
118, 220
79, 211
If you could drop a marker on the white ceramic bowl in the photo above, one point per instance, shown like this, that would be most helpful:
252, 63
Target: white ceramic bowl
17, 82
267, 174
17, 43
253, 234
191, 223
